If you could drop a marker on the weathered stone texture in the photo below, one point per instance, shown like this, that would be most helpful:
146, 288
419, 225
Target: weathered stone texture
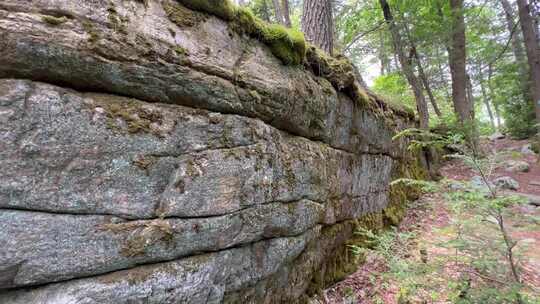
147, 162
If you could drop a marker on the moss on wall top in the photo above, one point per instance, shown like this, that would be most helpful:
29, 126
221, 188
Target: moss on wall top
286, 44
290, 46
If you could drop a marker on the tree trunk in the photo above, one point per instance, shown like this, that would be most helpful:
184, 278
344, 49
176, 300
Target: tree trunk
278, 11
421, 73
495, 105
486, 102
286, 13
531, 45
517, 47
442, 76
265, 11
457, 58
359, 77
383, 56
406, 67
425, 82
318, 24
470, 96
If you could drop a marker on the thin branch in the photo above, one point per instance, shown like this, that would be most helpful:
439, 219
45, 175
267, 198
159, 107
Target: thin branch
363, 34
505, 47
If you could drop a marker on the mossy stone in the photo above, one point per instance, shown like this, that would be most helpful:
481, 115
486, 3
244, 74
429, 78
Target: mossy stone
182, 16
221, 8
54, 20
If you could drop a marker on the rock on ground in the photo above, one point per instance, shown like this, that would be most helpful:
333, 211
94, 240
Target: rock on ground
517, 166
496, 135
506, 182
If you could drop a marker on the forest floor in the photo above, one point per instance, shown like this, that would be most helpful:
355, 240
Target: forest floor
423, 263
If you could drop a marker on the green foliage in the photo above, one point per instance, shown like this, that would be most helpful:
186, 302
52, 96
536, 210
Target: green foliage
419, 139
495, 75
394, 87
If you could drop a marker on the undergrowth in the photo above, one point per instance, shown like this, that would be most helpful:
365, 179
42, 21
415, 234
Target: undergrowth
473, 258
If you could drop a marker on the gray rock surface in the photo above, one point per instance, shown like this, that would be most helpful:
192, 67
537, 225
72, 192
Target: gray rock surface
506, 182
527, 149
477, 182
133, 172
496, 135
517, 166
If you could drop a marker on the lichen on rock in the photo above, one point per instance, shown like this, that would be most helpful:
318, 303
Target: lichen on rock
225, 177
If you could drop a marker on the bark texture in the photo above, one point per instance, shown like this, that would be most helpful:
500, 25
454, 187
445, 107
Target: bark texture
278, 10
286, 13
517, 48
406, 66
457, 62
530, 39
318, 24
425, 82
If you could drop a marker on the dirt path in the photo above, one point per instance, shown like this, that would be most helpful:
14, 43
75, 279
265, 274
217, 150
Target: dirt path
433, 221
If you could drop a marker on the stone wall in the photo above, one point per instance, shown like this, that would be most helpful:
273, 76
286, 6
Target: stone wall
148, 160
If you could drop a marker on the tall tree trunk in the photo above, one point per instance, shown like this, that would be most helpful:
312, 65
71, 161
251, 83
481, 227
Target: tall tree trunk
442, 76
495, 104
265, 11
286, 13
531, 45
517, 47
359, 77
486, 101
385, 62
318, 24
425, 82
421, 74
470, 95
457, 59
406, 67
278, 11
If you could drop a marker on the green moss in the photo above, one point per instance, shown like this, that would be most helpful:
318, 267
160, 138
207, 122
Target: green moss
54, 20
137, 118
342, 261
338, 70
116, 22
182, 16
221, 8
144, 162
181, 51
286, 44
89, 28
